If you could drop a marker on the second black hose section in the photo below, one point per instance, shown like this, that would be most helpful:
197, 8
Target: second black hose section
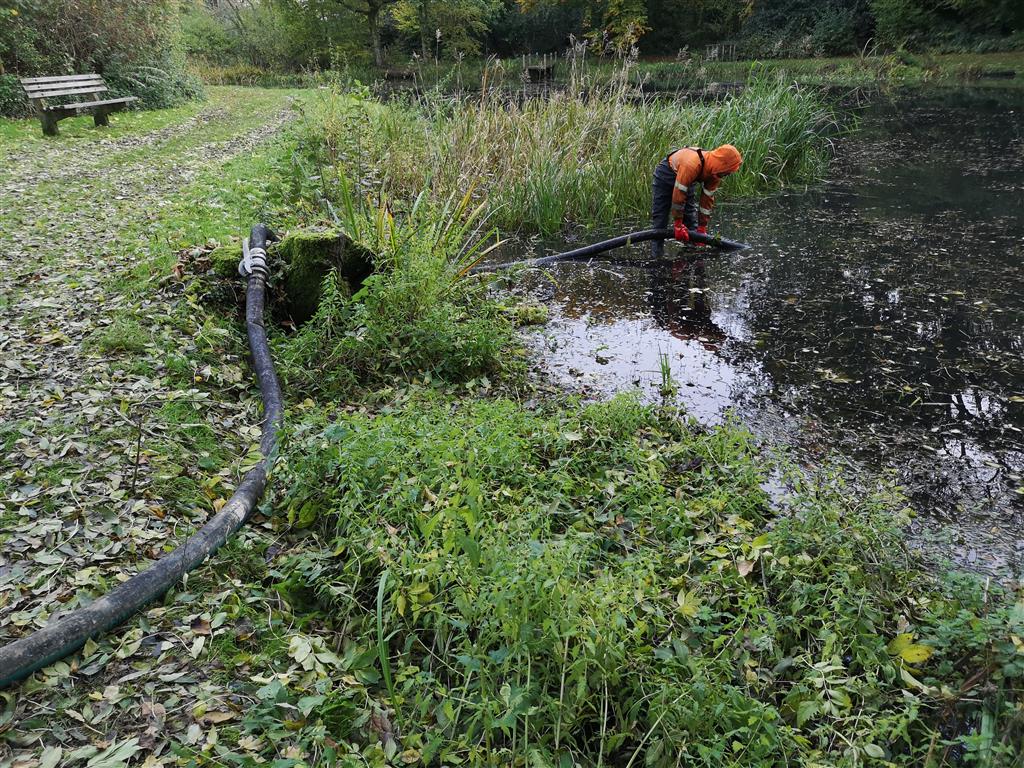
70, 632
589, 251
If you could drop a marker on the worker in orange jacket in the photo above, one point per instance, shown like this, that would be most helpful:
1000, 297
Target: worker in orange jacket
674, 189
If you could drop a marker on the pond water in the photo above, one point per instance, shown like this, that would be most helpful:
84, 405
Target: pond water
878, 318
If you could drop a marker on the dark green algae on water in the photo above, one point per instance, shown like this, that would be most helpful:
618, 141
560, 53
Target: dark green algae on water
877, 317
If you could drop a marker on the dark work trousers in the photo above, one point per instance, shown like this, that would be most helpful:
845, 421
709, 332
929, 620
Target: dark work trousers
661, 204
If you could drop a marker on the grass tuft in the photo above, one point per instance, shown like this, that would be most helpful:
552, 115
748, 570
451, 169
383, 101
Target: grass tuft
417, 314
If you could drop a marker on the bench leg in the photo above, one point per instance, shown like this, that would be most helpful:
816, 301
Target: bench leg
49, 122
100, 118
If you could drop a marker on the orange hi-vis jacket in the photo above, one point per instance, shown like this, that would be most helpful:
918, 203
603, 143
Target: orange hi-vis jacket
690, 165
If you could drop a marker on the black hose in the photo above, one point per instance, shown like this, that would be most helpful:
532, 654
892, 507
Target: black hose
589, 251
69, 633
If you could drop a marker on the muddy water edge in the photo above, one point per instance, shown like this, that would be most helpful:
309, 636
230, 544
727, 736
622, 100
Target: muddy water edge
878, 318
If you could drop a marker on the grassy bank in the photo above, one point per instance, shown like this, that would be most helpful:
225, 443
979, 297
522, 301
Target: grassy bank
582, 156
455, 566
477, 575
901, 68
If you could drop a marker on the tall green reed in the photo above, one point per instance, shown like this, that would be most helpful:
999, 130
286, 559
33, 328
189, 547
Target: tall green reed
583, 155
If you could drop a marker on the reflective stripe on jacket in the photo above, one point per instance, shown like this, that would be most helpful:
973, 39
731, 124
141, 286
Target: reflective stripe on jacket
688, 169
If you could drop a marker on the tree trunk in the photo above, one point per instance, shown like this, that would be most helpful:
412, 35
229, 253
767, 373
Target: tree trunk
421, 11
373, 17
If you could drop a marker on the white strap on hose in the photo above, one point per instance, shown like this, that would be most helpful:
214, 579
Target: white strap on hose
245, 265
254, 260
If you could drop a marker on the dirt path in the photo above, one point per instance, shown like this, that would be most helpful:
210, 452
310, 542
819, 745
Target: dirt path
123, 411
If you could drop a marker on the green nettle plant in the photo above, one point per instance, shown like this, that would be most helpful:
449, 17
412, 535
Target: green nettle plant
609, 585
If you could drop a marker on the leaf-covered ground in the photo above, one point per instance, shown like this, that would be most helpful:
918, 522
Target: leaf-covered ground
125, 411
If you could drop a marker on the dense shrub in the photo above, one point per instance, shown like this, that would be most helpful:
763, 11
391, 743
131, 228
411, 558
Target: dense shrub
963, 25
274, 36
796, 28
12, 98
130, 42
21, 49
205, 37
155, 87
900, 22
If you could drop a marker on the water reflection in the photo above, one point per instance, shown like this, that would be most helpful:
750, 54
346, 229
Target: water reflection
680, 302
878, 314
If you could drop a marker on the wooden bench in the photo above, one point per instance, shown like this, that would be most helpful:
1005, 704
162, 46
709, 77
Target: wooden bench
79, 94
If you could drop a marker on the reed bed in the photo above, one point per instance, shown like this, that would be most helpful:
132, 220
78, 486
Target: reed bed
583, 155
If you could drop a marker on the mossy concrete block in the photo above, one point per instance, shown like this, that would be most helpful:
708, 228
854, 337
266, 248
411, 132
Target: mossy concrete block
224, 260
309, 256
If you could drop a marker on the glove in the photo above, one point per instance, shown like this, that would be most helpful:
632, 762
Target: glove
702, 231
682, 233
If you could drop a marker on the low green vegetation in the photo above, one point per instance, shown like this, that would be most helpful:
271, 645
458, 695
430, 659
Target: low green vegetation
123, 335
870, 69
610, 584
415, 314
25, 133
894, 69
479, 576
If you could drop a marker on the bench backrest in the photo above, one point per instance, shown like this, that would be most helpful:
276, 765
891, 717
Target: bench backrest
62, 86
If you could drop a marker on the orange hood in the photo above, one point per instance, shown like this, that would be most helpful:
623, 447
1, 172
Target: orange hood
724, 159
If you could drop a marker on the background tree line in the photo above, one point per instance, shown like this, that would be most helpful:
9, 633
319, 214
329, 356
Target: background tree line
142, 46
319, 33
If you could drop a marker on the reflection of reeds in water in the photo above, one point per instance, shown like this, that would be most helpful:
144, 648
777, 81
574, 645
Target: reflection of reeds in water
584, 154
